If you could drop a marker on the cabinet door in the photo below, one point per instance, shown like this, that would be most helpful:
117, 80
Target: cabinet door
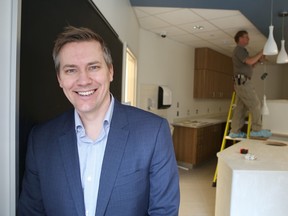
201, 58
184, 140
212, 84
223, 85
209, 140
204, 84
216, 132
227, 86
196, 145
212, 74
206, 58
199, 83
201, 146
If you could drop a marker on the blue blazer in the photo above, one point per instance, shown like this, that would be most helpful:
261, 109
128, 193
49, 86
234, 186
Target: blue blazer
139, 172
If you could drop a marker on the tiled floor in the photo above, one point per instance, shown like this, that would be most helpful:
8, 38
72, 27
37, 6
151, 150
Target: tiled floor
197, 193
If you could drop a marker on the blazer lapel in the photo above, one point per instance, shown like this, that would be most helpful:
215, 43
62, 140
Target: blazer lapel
115, 147
68, 149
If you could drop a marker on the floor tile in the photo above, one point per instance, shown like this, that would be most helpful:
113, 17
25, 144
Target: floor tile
197, 194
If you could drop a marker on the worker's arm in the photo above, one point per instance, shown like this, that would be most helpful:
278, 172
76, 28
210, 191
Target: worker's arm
252, 60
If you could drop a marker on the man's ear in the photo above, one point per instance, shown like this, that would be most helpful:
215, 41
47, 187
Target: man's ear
111, 70
59, 81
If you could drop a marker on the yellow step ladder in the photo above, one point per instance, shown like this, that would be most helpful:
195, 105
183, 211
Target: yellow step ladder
226, 132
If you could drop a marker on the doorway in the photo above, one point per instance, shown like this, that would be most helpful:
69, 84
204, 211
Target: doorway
130, 83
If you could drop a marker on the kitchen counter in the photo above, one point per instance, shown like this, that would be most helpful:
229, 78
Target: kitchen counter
198, 122
253, 187
197, 140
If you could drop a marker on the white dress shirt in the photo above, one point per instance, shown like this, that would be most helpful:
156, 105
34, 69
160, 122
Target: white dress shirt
91, 154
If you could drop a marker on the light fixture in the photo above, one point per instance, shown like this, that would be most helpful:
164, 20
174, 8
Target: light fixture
270, 47
264, 110
282, 58
198, 27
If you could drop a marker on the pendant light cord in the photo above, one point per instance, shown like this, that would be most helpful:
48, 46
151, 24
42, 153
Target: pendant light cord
264, 84
263, 77
283, 27
271, 12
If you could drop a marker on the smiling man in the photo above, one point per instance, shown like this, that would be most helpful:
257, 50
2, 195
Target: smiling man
102, 157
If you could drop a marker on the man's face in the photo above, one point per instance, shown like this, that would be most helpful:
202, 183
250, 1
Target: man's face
84, 76
244, 40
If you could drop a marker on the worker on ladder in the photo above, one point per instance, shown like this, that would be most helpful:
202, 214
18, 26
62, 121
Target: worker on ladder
246, 96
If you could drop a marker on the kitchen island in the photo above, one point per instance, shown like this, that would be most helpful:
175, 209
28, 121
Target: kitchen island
255, 185
197, 140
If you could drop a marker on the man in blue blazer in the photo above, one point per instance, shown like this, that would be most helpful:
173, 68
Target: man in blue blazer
101, 158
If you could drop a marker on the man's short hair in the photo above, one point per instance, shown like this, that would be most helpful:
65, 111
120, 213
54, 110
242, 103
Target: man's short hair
74, 34
239, 34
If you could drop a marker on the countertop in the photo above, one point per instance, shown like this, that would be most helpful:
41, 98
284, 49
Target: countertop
247, 187
270, 155
198, 122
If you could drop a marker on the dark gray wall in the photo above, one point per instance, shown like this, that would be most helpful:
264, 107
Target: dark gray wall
40, 96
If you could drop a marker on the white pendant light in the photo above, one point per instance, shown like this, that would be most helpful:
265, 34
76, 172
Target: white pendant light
264, 110
282, 58
270, 47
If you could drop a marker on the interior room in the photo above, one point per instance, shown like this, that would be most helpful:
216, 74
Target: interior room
164, 39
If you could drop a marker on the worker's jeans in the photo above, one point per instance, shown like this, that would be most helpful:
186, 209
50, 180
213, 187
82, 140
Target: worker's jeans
246, 100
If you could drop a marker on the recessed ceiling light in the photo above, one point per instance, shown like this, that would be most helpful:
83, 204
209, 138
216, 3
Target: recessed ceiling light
198, 27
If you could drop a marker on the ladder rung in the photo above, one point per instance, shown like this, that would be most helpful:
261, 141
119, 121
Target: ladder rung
237, 139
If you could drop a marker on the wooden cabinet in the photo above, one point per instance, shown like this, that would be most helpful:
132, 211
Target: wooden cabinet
196, 145
183, 139
225, 85
213, 74
206, 58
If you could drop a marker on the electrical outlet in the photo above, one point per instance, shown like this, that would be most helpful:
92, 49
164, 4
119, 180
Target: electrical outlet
196, 111
177, 114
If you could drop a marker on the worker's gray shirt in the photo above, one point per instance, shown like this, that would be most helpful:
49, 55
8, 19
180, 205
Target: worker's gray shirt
240, 54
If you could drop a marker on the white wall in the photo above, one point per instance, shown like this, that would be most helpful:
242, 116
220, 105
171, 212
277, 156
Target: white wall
8, 47
275, 85
285, 82
122, 18
165, 62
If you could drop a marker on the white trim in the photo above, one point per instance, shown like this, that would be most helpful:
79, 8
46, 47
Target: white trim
14, 99
124, 72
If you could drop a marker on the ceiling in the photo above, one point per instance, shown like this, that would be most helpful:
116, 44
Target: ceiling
220, 20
